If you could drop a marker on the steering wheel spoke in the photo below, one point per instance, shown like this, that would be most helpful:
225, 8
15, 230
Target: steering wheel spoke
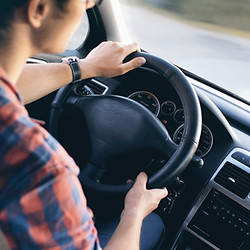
92, 172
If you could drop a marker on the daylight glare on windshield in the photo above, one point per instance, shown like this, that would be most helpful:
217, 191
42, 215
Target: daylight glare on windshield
209, 38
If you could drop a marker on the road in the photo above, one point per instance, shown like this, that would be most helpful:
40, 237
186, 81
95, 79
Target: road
221, 58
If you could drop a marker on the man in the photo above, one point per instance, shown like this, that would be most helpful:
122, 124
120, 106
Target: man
42, 205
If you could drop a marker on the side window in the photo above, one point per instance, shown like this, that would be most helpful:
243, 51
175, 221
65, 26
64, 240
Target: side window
80, 35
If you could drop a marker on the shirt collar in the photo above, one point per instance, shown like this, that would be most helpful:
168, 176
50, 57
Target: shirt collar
8, 82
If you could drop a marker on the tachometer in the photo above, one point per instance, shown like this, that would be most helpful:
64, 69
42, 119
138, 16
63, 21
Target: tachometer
148, 100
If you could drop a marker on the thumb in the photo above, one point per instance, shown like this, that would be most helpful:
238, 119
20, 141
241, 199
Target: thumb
160, 193
134, 63
163, 192
141, 180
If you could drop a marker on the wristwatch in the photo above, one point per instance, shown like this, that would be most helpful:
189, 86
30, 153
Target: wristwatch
73, 62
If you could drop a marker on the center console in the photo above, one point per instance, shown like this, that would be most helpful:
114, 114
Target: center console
220, 219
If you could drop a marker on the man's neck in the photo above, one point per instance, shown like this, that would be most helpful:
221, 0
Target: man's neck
12, 69
13, 55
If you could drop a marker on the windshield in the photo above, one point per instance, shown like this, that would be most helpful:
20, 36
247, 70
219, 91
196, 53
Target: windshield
207, 37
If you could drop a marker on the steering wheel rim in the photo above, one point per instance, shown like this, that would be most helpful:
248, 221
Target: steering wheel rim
191, 134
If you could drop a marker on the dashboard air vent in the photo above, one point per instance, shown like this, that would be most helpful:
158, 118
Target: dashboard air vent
92, 87
234, 179
97, 87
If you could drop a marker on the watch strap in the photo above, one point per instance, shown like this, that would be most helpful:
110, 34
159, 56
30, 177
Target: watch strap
75, 68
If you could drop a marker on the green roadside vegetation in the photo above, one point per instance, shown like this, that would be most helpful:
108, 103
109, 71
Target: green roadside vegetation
231, 16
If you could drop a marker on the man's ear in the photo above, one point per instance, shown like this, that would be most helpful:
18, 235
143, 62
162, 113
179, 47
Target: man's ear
37, 11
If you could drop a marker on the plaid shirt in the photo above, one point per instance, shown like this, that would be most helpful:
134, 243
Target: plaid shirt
42, 205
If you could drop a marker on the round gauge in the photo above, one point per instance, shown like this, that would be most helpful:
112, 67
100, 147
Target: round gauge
148, 100
168, 107
179, 116
206, 140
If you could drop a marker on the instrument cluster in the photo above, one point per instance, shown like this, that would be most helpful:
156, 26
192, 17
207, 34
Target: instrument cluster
171, 114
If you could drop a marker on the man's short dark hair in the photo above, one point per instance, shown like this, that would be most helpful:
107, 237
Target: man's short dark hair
8, 7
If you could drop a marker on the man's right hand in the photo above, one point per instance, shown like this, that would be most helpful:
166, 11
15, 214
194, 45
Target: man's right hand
141, 201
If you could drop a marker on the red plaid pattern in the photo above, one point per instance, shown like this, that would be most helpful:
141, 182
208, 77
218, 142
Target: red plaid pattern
42, 205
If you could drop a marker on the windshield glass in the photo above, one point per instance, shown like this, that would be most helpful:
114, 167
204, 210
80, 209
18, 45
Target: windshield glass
210, 38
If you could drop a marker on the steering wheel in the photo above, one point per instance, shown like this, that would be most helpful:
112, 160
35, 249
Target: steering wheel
127, 126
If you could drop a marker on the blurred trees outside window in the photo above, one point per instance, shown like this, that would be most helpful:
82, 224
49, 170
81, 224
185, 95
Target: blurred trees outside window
234, 14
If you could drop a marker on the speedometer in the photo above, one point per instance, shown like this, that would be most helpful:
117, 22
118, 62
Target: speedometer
148, 100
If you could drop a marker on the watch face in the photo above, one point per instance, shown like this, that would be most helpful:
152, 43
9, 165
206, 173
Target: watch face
70, 59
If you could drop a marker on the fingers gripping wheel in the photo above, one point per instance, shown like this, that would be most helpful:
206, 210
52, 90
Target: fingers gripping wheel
127, 126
